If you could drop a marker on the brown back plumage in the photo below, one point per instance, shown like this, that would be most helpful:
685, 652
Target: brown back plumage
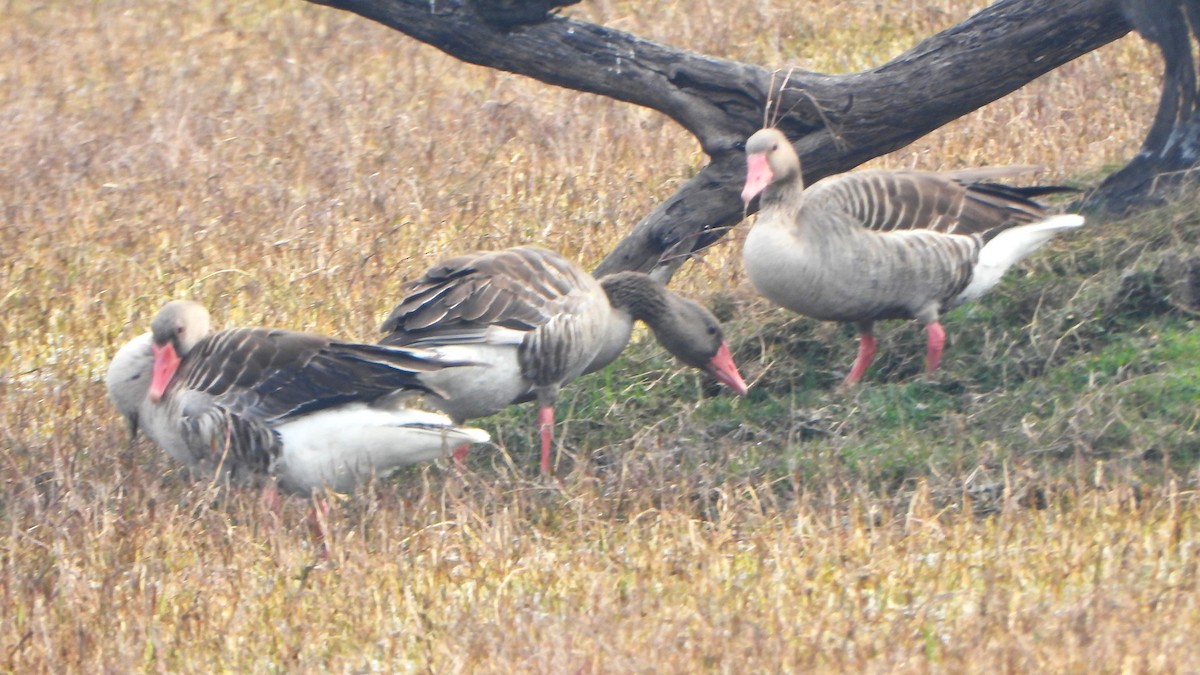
518, 288
955, 202
275, 374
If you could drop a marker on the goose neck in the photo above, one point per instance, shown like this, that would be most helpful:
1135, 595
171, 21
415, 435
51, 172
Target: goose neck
638, 295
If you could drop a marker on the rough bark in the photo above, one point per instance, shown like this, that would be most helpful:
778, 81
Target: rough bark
1170, 154
837, 122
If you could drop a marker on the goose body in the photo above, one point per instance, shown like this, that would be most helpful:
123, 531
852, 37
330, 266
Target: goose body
249, 403
532, 321
874, 245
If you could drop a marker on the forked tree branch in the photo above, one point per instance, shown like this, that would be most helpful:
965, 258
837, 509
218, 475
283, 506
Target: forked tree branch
836, 121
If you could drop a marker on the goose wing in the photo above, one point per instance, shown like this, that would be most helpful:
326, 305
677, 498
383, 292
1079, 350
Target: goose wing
459, 300
275, 374
955, 202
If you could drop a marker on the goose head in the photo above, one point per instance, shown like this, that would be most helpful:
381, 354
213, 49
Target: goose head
176, 329
770, 160
692, 334
683, 327
128, 378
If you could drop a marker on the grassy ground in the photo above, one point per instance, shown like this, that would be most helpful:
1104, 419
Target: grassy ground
1031, 508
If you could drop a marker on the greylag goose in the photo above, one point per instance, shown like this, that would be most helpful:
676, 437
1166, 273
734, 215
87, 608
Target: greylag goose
249, 402
535, 321
872, 245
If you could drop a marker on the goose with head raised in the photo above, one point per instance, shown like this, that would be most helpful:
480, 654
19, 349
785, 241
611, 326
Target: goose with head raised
252, 402
871, 245
534, 321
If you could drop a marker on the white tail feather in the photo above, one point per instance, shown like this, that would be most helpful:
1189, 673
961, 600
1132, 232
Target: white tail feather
1010, 247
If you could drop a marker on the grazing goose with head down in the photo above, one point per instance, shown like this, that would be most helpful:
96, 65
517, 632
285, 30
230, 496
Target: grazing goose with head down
535, 321
251, 402
872, 245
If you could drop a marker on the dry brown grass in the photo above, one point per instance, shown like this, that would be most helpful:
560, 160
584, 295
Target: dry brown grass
289, 165
503, 576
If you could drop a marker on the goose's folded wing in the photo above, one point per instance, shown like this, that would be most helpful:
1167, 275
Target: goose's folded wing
519, 289
273, 374
956, 202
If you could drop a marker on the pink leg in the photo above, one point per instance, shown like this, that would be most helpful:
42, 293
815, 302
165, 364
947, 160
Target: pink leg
270, 498
273, 503
866, 352
318, 525
460, 455
937, 340
546, 424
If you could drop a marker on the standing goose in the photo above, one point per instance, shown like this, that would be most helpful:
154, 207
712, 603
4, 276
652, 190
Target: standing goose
534, 321
872, 245
252, 401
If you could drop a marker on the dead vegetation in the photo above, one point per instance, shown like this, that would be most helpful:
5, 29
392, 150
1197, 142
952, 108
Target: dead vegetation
1031, 509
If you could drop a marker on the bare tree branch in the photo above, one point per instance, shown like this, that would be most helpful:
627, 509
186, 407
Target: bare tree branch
836, 121
1169, 155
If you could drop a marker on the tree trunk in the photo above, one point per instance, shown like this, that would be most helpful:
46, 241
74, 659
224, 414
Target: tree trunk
836, 121
1171, 152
